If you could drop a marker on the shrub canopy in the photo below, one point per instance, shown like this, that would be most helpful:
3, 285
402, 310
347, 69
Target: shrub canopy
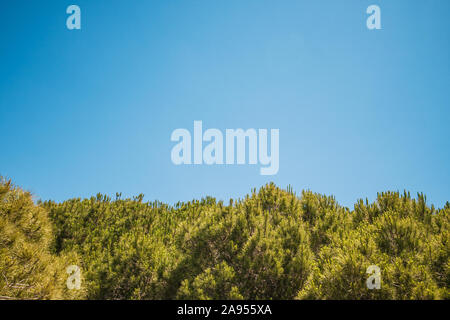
272, 244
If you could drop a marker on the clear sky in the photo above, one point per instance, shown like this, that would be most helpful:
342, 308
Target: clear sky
359, 111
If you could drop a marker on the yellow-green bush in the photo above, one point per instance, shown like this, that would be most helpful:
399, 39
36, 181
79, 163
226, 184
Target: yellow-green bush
28, 270
272, 244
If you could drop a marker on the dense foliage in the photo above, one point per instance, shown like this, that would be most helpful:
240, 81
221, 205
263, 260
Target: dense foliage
28, 270
272, 244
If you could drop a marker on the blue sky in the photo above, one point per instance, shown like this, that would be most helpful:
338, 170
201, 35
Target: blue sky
92, 110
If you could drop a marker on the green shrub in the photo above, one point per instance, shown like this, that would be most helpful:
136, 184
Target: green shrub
271, 244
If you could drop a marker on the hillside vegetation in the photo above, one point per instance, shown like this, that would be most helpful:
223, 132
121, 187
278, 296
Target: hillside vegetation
273, 244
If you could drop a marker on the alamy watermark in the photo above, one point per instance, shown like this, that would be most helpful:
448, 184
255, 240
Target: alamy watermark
74, 279
374, 281
73, 22
374, 20
235, 140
